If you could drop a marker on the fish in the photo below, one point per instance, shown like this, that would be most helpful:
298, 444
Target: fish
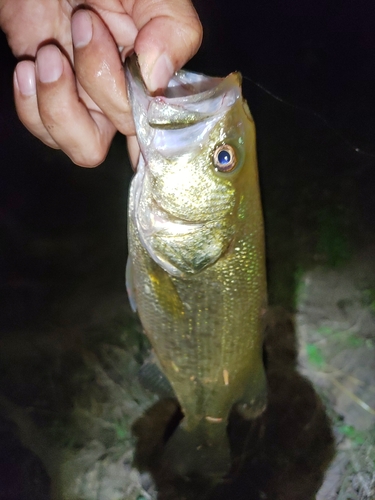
196, 270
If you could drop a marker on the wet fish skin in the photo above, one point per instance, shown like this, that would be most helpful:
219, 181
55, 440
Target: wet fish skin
196, 269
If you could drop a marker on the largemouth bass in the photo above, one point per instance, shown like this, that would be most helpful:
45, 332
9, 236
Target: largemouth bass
196, 268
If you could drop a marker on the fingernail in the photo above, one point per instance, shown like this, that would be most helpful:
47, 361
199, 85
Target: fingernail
81, 29
49, 64
156, 75
25, 78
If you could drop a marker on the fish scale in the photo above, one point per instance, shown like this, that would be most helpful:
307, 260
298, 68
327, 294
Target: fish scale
196, 256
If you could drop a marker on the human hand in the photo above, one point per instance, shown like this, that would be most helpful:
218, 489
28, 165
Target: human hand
79, 110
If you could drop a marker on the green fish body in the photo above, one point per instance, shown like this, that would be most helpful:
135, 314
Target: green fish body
196, 268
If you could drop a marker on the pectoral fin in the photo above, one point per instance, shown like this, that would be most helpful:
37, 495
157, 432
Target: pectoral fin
153, 379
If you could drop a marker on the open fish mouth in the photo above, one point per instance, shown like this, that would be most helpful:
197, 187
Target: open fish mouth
192, 103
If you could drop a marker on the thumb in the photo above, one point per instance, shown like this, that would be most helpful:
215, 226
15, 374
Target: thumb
169, 34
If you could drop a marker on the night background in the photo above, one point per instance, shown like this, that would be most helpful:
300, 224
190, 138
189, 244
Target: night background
69, 344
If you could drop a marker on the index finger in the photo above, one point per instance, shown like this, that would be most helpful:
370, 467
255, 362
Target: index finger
169, 34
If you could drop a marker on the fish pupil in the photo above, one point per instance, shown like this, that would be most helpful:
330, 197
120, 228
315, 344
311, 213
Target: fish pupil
224, 157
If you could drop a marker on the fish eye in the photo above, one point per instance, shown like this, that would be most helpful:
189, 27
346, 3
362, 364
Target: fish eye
225, 158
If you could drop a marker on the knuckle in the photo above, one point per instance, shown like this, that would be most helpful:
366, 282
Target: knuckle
90, 158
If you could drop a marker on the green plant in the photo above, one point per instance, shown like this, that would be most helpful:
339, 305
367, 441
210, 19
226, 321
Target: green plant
352, 433
314, 355
122, 430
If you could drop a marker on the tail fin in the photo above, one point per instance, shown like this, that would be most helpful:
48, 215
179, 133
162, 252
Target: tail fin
203, 452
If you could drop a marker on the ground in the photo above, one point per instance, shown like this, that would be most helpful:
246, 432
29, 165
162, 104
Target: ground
336, 324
